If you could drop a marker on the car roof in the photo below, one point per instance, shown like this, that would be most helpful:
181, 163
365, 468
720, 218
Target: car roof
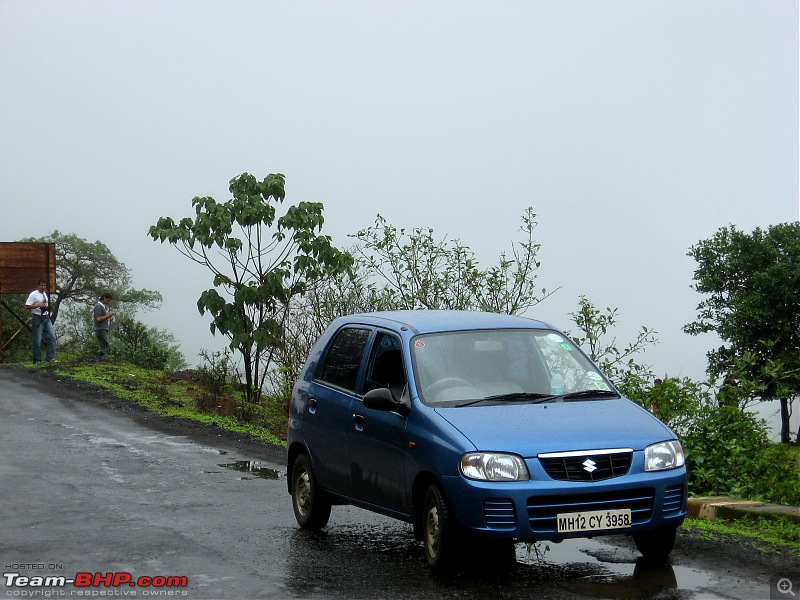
430, 321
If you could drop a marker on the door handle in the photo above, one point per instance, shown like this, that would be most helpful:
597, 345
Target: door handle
359, 419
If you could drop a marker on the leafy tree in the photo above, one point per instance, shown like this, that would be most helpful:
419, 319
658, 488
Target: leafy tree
755, 375
420, 272
75, 330
260, 262
617, 363
85, 270
752, 288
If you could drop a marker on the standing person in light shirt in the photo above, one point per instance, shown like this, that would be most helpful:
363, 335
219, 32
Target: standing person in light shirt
38, 303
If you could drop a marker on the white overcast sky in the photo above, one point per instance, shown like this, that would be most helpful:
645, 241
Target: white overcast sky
633, 128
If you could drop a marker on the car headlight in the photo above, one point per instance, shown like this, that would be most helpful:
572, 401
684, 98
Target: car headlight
664, 455
493, 466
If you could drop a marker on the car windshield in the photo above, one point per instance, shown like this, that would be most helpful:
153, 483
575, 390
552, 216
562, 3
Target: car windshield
482, 367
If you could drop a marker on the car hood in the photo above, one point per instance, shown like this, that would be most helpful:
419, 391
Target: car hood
530, 429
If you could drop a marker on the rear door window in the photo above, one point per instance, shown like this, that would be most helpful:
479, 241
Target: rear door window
343, 359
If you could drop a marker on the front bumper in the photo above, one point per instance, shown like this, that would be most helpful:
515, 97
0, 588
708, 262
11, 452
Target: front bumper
527, 510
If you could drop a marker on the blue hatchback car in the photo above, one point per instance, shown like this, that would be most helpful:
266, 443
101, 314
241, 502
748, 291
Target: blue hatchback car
477, 428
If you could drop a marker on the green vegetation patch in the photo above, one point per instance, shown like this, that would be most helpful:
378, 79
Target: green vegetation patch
761, 533
728, 453
173, 395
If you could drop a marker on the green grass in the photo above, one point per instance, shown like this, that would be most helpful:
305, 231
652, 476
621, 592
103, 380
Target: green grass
759, 532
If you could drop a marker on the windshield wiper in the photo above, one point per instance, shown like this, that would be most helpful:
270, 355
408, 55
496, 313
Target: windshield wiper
591, 394
540, 398
534, 397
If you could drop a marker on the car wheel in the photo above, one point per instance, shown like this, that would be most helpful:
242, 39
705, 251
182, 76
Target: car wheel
656, 544
312, 507
438, 535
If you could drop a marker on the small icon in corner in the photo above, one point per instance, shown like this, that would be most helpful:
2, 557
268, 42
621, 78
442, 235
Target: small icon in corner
784, 586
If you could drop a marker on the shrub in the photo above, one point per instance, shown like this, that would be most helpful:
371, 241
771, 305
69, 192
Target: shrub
218, 381
217, 373
146, 347
778, 476
145, 356
728, 452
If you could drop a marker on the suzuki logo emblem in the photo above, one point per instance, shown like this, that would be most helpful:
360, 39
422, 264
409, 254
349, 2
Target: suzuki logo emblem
589, 465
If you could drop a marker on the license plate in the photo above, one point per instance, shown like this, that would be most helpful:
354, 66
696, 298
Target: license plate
594, 520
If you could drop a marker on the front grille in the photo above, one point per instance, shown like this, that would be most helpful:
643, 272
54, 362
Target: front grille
587, 467
542, 510
499, 513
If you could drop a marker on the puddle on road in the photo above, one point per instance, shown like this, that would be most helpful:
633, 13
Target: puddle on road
254, 468
609, 571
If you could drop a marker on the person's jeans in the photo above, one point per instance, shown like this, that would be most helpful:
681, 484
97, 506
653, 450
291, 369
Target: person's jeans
102, 337
41, 326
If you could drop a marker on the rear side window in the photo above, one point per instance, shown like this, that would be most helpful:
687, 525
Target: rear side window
341, 363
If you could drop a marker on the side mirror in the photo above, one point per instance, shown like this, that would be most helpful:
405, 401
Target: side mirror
383, 399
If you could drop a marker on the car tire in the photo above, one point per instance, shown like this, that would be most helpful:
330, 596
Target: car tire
656, 544
438, 533
312, 507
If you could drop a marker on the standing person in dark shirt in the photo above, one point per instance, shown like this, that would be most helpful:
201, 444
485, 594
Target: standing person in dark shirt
102, 321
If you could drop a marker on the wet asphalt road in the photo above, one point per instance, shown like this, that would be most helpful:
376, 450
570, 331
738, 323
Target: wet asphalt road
88, 489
